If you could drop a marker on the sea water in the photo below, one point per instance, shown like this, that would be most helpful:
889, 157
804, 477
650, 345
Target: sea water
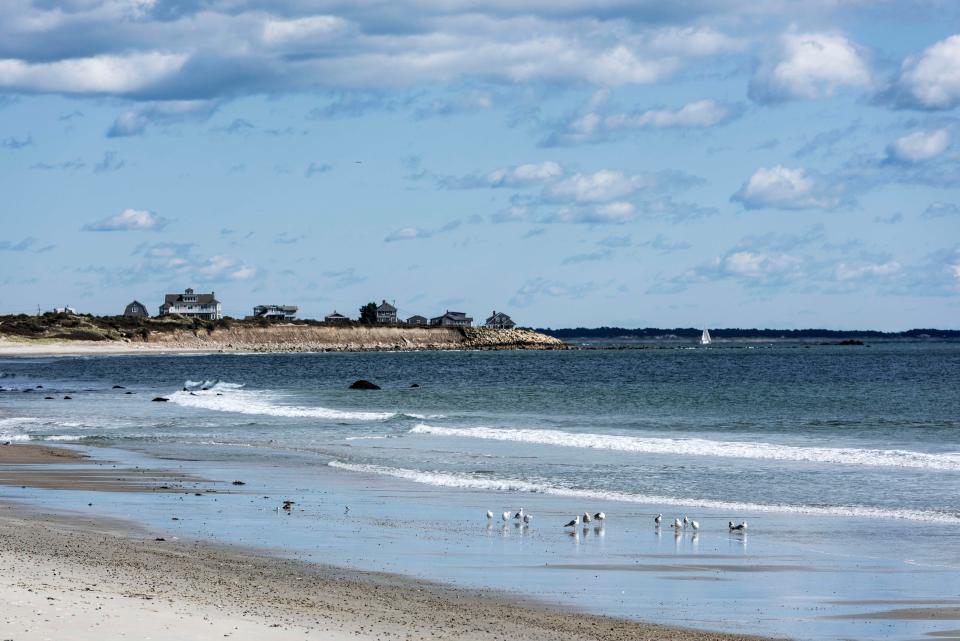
844, 461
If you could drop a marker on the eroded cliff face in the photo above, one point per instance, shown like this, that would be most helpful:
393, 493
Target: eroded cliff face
313, 338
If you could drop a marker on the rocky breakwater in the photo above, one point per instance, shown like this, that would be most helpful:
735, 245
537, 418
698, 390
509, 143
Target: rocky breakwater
327, 338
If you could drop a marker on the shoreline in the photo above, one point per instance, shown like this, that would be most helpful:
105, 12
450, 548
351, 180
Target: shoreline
147, 579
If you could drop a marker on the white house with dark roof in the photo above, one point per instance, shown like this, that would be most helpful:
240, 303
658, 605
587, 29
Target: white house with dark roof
499, 320
276, 312
386, 313
452, 319
192, 305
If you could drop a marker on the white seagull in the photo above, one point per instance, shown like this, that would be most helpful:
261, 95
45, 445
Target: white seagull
694, 525
586, 517
574, 523
677, 525
737, 528
686, 521
527, 518
600, 516
489, 514
505, 516
519, 514
658, 519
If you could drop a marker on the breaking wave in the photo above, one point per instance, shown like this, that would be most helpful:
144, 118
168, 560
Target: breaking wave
464, 481
705, 447
230, 397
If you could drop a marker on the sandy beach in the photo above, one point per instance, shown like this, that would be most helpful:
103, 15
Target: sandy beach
99, 578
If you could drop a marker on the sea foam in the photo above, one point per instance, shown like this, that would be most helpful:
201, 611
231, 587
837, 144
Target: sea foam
706, 447
463, 481
230, 397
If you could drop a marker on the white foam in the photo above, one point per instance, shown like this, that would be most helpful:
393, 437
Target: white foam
61, 437
228, 397
14, 437
706, 447
447, 479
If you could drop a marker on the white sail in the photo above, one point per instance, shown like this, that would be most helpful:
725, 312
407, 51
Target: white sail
705, 337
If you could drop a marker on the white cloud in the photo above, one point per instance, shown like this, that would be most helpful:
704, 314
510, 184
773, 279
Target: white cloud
759, 265
702, 113
932, 79
224, 268
129, 220
135, 122
601, 186
781, 187
810, 65
408, 233
525, 174
919, 145
105, 74
614, 213
846, 272
277, 32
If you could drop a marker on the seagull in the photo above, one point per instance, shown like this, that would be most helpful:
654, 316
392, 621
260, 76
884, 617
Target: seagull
694, 525
599, 516
527, 518
737, 528
489, 514
658, 519
586, 517
574, 523
686, 521
505, 516
519, 514
677, 525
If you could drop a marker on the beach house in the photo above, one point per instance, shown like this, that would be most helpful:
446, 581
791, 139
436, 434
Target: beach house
136, 309
499, 320
386, 313
417, 319
452, 319
336, 318
275, 312
192, 305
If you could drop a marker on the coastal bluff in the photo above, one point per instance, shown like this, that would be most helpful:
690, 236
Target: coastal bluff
357, 338
64, 333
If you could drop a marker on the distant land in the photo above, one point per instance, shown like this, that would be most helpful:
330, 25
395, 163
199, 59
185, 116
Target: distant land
740, 333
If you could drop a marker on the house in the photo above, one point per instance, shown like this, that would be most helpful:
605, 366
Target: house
499, 320
386, 313
136, 309
452, 319
416, 319
275, 312
192, 305
336, 318
64, 310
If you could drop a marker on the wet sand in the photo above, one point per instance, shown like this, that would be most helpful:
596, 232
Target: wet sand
96, 578
53, 468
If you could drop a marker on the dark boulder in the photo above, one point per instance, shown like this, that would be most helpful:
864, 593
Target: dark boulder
68, 398
119, 387
362, 384
160, 399
48, 398
415, 385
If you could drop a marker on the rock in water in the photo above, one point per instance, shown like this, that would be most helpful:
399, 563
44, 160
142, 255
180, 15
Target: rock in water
118, 387
415, 385
160, 399
362, 384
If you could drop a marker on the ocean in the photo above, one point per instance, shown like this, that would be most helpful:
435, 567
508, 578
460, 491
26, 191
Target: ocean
844, 460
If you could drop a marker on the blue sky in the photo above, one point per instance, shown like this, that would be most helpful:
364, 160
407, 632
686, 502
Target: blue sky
776, 164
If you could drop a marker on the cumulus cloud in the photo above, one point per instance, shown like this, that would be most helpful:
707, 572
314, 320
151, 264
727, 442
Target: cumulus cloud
781, 187
597, 187
845, 272
612, 213
129, 220
930, 80
919, 146
810, 65
516, 176
135, 121
102, 74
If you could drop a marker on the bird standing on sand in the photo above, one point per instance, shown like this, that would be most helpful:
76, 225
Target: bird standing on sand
658, 519
695, 526
489, 514
586, 517
600, 516
574, 523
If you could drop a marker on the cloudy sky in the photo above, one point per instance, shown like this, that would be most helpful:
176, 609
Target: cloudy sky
572, 162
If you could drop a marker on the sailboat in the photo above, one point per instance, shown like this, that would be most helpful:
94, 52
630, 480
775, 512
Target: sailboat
705, 337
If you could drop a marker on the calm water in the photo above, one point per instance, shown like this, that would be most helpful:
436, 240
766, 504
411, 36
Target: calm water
850, 454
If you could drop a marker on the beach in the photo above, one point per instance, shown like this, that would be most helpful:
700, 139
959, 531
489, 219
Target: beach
271, 459
97, 578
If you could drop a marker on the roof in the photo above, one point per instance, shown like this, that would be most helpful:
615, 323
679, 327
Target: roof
499, 316
136, 302
386, 307
202, 299
417, 316
283, 308
335, 315
454, 316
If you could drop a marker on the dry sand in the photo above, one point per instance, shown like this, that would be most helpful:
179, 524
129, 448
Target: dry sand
83, 578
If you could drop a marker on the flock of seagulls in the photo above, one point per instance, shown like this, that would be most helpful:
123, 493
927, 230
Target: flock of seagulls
678, 524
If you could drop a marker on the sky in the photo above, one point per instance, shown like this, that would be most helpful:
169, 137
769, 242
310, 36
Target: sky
629, 163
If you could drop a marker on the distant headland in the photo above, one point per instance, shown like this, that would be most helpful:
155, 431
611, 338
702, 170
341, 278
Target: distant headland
658, 334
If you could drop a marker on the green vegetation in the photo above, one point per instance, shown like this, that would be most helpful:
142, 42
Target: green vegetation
368, 314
